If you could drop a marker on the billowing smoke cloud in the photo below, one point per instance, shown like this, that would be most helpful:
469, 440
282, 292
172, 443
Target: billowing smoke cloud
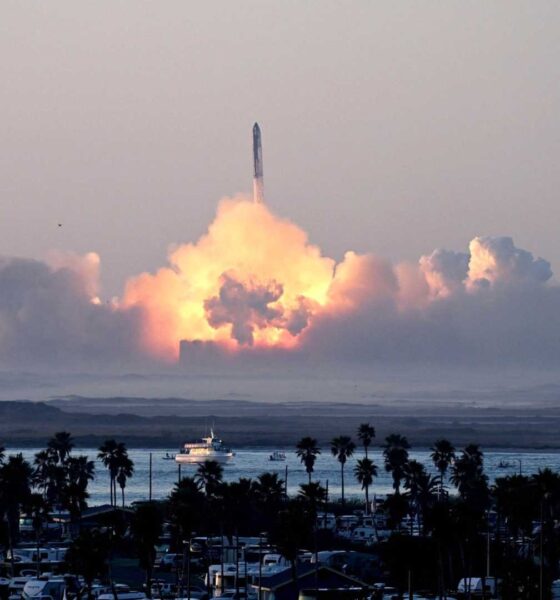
445, 271
247, 306
253, 284
492, 305
496, 261
50, 314
252, 280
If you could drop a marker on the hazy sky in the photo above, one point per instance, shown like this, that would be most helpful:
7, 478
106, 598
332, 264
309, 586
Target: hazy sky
391, 127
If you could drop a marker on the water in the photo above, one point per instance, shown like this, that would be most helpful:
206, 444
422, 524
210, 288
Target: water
250, 463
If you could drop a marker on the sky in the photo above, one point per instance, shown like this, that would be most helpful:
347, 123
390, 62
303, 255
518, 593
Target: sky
388, 128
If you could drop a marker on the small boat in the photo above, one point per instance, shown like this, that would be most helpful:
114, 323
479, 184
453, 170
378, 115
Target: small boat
504, 464
277, 456
168, 456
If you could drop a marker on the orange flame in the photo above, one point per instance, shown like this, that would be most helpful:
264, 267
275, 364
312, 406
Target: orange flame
252, 280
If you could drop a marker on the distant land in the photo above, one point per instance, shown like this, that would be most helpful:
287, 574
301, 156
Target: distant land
168, 422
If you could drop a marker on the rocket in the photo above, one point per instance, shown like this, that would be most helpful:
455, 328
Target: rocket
258, 185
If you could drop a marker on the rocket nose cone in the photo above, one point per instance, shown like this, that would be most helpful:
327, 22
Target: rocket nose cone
256, 127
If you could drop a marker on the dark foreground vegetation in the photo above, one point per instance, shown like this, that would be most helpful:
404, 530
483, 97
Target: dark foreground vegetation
439, 526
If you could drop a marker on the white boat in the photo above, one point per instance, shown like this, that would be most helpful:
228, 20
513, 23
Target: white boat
207, 448
277, 456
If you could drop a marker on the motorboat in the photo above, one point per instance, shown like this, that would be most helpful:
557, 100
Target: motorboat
168, 456
277, 456
203, 449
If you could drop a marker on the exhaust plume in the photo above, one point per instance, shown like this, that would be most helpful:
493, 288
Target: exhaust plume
253, 280
253, 285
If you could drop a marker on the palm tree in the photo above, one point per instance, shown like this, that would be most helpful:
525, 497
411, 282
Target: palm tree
125, 472
515, 501
366, 433
421, 490
467, 475
2, 454
146, 530
186, 508
88, 555
547, 485
38, 509
79, 472
364, 471
269, 493
110, 454
395, 453
237, 505
467, 469
292, 530
342, 447
413, 472
269, 488
396, 506
474, 453
15, 492
443, 454
209, 475
307, 451
44, 472
427, 492
314, 494
61, 445
107, 455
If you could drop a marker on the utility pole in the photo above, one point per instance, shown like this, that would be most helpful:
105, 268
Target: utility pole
260, 565
189, 568
150, 496
222, 559
541, 561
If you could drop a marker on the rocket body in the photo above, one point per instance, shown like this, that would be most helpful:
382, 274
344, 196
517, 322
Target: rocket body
258, 184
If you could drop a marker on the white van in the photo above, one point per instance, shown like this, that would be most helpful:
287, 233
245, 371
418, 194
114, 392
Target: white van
132, 595
326, 521
55, 587
274, 559
366, 535
476, 585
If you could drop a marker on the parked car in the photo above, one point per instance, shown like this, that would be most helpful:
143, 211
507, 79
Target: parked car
170, 561
196, 593
233, 595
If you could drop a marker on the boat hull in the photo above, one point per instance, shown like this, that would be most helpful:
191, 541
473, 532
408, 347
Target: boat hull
200, 458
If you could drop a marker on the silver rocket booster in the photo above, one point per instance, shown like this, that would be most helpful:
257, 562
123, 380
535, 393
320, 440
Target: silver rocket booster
258, 184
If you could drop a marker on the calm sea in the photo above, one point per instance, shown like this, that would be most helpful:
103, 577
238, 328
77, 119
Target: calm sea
250, 463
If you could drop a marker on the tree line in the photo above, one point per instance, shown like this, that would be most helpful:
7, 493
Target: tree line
443, 526
55, 481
